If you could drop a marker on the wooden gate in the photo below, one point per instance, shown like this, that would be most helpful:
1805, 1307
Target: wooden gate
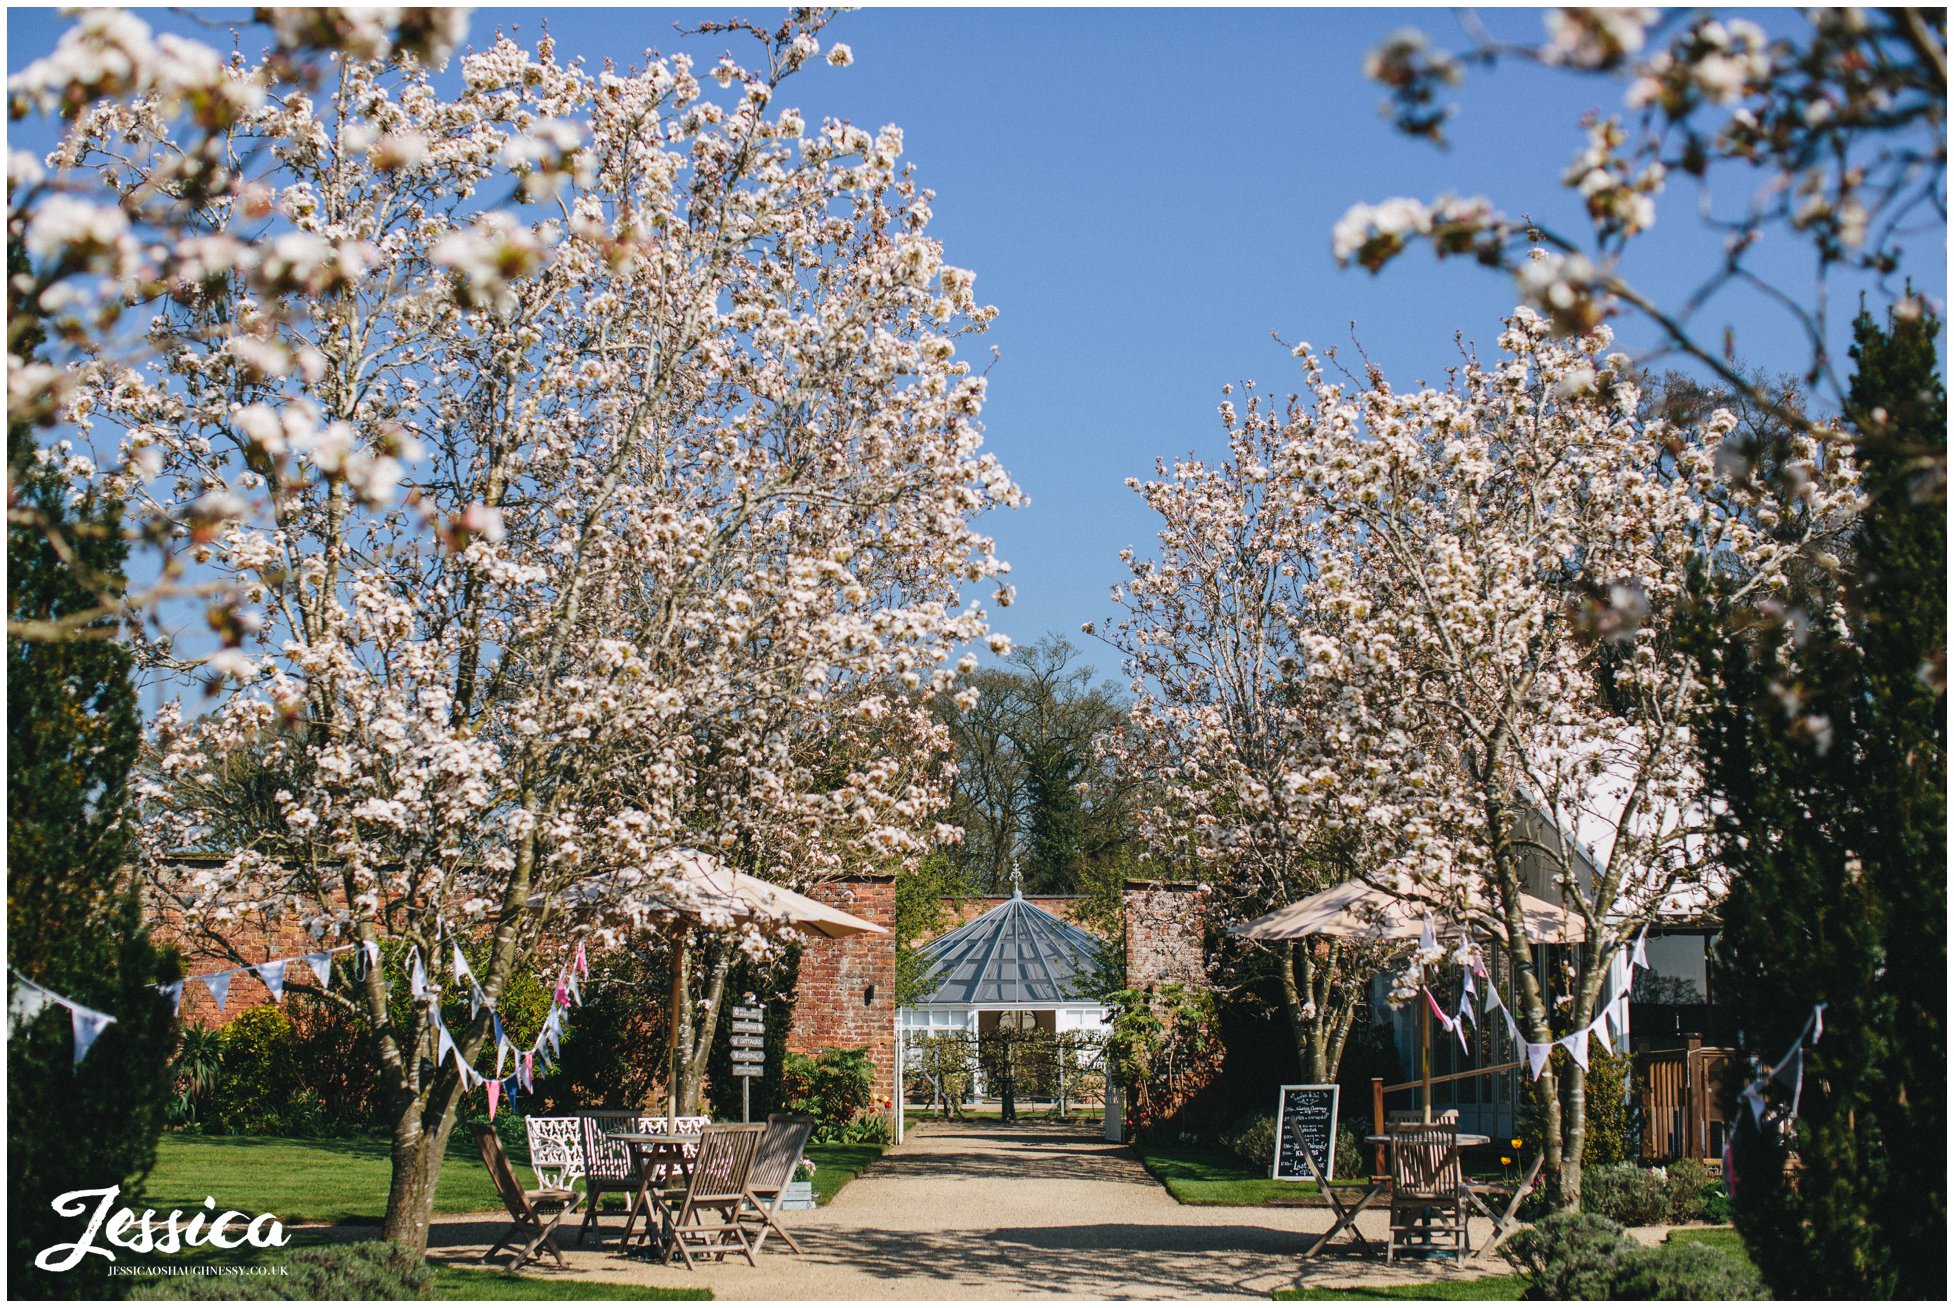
1682, 1102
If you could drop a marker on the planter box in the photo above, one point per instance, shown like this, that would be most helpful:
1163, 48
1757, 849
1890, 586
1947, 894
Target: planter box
799, 1194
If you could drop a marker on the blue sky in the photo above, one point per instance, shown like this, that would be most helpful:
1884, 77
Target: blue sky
1147, 194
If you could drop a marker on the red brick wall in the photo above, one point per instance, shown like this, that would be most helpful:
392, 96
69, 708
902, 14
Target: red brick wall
258, 943
955, 914
833, 1003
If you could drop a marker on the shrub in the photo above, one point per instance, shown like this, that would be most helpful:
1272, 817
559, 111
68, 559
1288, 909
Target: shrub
1716, 1204
375, 1269
1350, 1155
1690, 1185
1567, 1255
1613, 1127
1623, 1192
833, 1088
1686, 1270
260, 1088
1252, 1139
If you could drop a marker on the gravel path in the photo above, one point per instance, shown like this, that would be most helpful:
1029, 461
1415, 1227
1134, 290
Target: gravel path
994, 1212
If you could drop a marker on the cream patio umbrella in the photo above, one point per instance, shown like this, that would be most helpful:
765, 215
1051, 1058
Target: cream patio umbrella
690, 884
1357, 910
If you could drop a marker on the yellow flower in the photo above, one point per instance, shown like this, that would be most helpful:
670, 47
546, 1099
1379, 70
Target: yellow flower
1516, 1144
1505, 1161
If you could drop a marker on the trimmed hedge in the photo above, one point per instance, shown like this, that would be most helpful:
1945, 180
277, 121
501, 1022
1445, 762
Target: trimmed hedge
373, 1269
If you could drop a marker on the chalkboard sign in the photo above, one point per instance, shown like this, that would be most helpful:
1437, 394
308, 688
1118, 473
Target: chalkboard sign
1306, 1118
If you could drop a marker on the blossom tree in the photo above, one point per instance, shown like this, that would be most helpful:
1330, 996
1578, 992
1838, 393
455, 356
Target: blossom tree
1832, 138
1222, 723
1487, 580
592, 465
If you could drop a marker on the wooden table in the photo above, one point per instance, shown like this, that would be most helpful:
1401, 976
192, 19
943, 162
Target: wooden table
653, 1155
1347, 1217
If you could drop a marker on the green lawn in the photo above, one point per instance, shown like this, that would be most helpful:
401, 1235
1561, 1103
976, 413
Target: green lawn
1485, 1287
308, 1180
835, 1165
1195, 1174
1724, 1238
345, 1181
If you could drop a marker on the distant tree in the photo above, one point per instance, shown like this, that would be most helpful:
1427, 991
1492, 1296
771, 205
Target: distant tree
1829, 758
74, 922
1034, 790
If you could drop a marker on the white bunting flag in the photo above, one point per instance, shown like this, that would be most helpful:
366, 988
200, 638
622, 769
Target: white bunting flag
417, 977
1428, 938
321, 965
443, 1041
1640, 956
173, 991
1537, 1058
88, 1024
1577, 1045
370, 950
219, 985
25, 1004
1818, 1022
1470, 989
461, 967
1599, 1030
273, 975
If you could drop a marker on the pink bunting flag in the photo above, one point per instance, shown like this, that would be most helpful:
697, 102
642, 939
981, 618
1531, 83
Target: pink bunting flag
495, 1097
562, 995
529, 1072
582, 963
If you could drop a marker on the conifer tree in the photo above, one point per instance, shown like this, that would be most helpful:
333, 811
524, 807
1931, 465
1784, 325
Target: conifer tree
73, 920
1829, 757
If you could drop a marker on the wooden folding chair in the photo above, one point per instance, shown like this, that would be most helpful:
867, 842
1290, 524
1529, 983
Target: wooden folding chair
773, 1167
708, 1219
536, 1212
1506, 1220
1428, 1198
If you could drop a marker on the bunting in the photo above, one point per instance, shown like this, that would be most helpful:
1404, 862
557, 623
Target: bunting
273, 975
219, 985
29, 1000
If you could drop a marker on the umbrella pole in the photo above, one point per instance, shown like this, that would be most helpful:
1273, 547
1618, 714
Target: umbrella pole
1425, 1055
678, 1004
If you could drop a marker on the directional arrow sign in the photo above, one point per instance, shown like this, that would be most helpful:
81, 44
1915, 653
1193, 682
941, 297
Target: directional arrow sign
749, 1028
749, 1014
741, 1069
749, 1042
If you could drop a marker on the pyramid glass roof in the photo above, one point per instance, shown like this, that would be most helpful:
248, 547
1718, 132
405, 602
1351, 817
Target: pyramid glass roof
1017, 953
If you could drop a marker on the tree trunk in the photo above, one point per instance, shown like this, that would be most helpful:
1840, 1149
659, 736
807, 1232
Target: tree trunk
417, 1153
697, 1031
1319, 1032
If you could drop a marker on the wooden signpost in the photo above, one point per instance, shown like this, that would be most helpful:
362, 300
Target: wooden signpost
749, 1049
1306, 1130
